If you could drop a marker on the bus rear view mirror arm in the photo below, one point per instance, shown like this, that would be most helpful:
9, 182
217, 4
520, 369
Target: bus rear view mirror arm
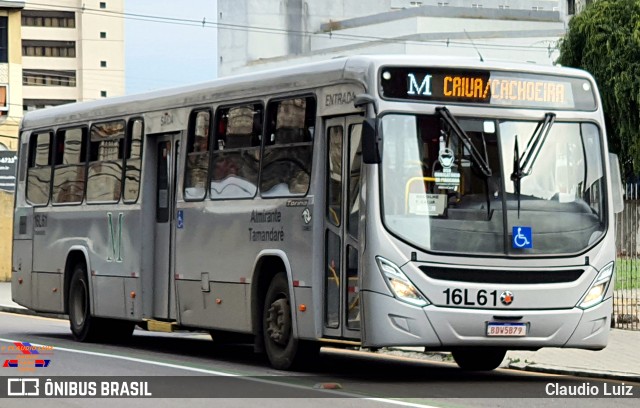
363, 100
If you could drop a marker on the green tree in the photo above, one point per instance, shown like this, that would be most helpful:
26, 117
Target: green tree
605, 40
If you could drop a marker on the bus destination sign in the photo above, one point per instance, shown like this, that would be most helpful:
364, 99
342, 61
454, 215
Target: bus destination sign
514, 89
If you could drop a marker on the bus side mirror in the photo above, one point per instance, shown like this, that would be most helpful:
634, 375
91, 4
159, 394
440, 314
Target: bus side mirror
371, 142
616, 184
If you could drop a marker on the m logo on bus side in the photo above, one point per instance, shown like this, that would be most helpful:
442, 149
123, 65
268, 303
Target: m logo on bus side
506, 298
115, 238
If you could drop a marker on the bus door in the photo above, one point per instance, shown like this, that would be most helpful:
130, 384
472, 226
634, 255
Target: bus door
167, 149
342, 213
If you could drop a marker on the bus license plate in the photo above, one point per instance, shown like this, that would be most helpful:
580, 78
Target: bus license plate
506, 329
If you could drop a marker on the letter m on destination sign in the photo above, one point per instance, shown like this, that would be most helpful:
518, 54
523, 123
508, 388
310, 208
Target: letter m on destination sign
423, 89
115, 238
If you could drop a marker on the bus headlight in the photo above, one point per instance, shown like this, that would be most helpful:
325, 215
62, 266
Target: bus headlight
598, 288
399, 284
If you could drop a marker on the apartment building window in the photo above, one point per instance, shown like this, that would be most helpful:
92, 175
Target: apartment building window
571, 7
442, 4
4, 41
475, 5
503, 7
103, 64
103, 34
44, 48
103, 4
48, 78
537, 8
103, 94
46, 18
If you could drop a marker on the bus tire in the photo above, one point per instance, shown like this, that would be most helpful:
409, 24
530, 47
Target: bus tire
83, 326
284, 351
478, 358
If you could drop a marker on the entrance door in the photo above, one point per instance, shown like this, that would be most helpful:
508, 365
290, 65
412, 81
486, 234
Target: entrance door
167, 150
342, 215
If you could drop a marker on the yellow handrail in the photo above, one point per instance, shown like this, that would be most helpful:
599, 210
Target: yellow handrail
408, 185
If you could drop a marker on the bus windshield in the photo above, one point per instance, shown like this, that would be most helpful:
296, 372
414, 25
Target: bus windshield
441, 194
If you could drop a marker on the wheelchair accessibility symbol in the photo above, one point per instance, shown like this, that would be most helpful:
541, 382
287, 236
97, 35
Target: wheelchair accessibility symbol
522, 237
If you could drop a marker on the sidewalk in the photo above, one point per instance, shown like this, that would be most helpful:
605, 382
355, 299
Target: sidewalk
619, 361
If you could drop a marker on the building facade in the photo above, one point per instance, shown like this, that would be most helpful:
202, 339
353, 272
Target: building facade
73, 51
10, 74
10, 116
52, 52
256, 34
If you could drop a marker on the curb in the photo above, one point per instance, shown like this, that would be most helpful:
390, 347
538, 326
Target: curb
577, 372
530, 367
28, 312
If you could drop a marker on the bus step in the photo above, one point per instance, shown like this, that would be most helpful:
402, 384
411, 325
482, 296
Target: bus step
159, 326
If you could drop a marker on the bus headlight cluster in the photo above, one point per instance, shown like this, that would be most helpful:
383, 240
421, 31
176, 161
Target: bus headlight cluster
399, 284
598, 288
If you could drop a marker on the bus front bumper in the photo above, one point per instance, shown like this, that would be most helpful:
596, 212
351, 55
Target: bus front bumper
394, 323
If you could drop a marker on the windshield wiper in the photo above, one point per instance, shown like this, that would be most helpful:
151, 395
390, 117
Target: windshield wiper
480, 161
522, 165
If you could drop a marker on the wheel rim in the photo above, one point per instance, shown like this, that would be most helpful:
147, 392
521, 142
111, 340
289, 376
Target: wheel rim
79, 303
279, 322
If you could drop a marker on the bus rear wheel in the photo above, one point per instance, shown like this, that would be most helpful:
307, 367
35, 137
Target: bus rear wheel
83, 325
283, 349
479, 359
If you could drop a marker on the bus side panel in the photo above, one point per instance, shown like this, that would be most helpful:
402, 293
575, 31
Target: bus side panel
21, 274
223, 307
117, 297
47, 288
111, 239
211, 263
222, 240
304, 318
109, 300
115, 256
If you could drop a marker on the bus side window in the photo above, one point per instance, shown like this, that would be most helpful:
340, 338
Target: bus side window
355, 164
197, 164
106, 152
236, 152
133, 161
69, 169
39, 168
286, 163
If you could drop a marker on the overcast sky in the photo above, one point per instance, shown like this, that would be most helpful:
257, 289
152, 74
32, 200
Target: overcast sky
163, 55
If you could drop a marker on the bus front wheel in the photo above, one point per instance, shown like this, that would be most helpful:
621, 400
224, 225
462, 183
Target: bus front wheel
283, 349
479, 359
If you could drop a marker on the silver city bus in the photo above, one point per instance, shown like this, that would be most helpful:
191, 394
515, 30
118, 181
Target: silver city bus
364, 201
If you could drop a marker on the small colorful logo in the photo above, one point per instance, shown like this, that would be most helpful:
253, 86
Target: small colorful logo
306, 216
25, 356
506, 298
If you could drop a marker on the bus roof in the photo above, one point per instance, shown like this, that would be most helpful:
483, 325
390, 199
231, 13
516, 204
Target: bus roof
302, 76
